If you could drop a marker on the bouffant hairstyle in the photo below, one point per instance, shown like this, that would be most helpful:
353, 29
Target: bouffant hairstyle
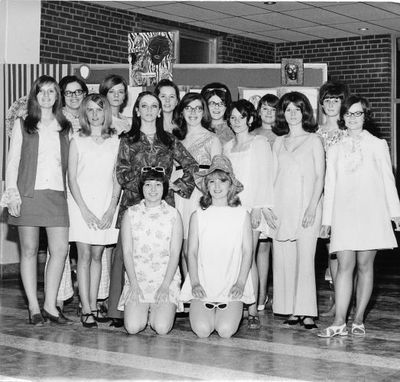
268, 99
109, 82
69, 80
246, 110
166, 83
220, 90
152, 174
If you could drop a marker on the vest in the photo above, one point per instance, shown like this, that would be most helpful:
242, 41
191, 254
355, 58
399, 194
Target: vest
28, 162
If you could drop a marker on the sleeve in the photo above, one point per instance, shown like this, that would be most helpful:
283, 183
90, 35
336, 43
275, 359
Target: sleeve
385, 164
330, 185
124, 167
189, 166
261, 173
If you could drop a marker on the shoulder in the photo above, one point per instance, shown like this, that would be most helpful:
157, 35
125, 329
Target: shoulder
316, 140
228, 145
260, 140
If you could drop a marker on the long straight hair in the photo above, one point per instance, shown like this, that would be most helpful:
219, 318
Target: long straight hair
35, 111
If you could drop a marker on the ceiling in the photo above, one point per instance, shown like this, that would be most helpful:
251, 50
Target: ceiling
280, 21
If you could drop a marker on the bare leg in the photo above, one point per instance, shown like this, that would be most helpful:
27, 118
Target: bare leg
29, 239
227, 320
162, 317
264, 248
254, 275
184, 259
57, 238
202, 320
365, 282
344, 285
96, 252
135, 317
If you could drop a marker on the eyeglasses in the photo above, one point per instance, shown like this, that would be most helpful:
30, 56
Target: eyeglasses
196, 109
151, 168
216, 305
76, 93
355, 114
216, 104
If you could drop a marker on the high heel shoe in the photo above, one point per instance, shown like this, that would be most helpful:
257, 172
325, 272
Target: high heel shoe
262, 306
332, 331
308, 326
85, 317
36, 319
293, 320
99, 317
56, 319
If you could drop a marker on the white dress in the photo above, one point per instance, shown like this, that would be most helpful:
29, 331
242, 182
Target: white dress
253, 167
95, 171
360, 194
219, 254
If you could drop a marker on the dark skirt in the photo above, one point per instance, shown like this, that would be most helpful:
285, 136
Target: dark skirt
47, 208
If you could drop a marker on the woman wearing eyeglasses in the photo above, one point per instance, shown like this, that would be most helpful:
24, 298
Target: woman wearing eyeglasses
193, 119
220, 253
218, 98
251, 159
151, 233
146, 144
360, 201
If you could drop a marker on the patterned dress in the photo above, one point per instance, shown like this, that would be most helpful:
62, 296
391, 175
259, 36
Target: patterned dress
151, 230
330, 137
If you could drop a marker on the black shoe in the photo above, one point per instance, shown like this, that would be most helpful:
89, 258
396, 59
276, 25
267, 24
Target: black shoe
292, 321
84, 318
117, 322
36, 319
60, 312
99, 317
56, 319
308, 326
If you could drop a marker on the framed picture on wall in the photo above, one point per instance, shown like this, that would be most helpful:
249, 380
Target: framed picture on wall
292, 72
254, 94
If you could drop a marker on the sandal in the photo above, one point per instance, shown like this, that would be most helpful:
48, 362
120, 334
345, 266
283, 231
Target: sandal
358, 329
253, 323
332, 331
85, 317
262, 306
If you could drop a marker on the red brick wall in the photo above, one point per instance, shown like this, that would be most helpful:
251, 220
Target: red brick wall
362, 62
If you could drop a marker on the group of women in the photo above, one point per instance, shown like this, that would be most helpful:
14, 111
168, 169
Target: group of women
199, 188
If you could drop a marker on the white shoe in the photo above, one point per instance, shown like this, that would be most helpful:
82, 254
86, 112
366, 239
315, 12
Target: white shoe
262, 307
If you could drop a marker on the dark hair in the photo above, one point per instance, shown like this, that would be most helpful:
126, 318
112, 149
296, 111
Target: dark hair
69, 80
133, 135
167, 83
221, 91
333, 89
271, 100
100, 100
206, 199
35, 112
153, 175
301, 101
369, 123
181, 131
109, 82
245, 108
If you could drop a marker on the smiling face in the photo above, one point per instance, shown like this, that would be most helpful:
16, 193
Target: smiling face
152, 192
217, 108
116, 95
47, 96
293, 115
354, 117
149, 108
168, 98
95, 114
193, 113
331, 106
218, 186
267, 114
72, 100
238, 122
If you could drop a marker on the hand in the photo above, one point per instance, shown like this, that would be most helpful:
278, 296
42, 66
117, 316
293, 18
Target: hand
325, 232
90, 219
173, 186
14, 209
270, 217
198, 291
236, 291
136, 294
106, 219
309, 217
255, 216
396, 221
120, 125
162, 294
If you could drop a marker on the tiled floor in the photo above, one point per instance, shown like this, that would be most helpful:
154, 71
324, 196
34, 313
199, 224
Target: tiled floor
276, 352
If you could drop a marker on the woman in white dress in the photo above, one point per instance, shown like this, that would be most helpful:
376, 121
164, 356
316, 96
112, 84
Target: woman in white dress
251, 159
151, 233
360, 201
220, 246
193, 118
95, 191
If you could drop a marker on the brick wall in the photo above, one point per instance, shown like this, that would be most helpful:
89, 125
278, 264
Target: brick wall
362, 62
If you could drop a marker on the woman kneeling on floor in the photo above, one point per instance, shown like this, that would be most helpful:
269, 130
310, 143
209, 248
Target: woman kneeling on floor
220, 253
151, 242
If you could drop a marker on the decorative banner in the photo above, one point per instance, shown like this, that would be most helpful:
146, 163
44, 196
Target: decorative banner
150, 57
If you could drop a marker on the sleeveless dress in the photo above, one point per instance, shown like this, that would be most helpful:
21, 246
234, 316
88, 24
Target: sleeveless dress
200, 149
219, 254
151, 230
95, 171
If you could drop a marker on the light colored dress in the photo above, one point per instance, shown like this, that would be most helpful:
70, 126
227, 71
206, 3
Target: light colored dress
360, 194
330, 137
219, 258
253, 167
200, 148
95, 173
267, 133
151, 230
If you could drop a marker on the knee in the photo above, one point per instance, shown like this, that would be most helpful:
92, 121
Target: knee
29, 252
201, 329
226, 331
134, 327
162, 327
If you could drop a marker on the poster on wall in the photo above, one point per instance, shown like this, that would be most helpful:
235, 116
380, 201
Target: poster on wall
255, 94
150, 57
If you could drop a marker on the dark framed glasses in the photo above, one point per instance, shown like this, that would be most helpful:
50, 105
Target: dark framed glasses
151, 168
76, 93
216, 305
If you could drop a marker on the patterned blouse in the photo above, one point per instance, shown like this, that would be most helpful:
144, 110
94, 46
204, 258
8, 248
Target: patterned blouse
330, 137
133, 156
